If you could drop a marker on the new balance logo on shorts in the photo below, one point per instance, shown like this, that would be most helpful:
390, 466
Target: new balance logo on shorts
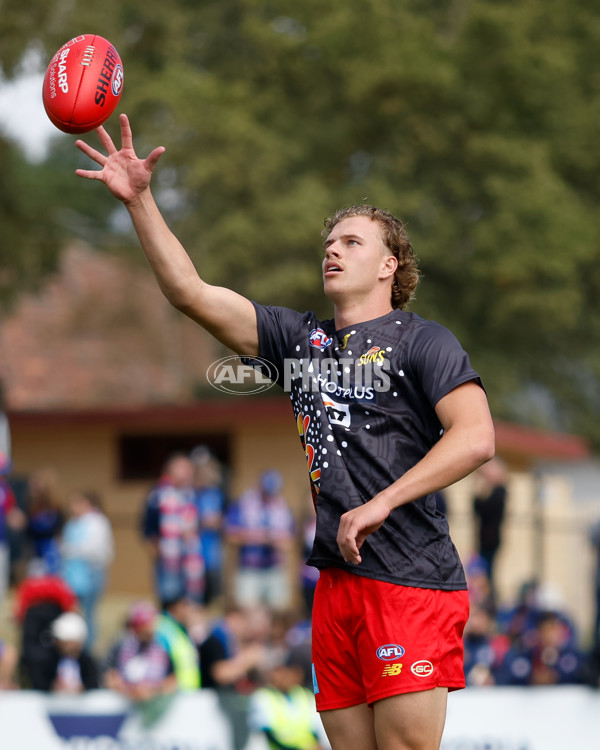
391, 670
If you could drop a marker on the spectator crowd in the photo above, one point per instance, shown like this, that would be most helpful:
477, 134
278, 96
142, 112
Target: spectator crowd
250, 642
191, 635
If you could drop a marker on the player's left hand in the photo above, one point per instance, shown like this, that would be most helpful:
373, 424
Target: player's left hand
357, 524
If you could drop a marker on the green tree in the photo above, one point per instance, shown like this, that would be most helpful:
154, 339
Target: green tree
30, 237
474, 121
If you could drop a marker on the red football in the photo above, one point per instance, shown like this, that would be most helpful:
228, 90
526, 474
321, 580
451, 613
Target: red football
83, 84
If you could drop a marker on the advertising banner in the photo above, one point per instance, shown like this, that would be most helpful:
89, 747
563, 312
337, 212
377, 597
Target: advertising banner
551, 718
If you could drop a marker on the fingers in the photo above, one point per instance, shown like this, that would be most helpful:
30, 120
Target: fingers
91, 152
154, 157
355, 559
126, 144
106, 140
348, 545
350, 553
126, 136
90, 174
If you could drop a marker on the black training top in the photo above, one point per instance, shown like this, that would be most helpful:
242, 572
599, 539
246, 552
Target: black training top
364, 399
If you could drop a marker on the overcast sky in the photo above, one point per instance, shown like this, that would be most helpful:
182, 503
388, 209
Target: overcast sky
22, 114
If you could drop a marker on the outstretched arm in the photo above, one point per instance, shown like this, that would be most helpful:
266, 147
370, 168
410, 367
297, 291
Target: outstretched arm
227, 315
468, 441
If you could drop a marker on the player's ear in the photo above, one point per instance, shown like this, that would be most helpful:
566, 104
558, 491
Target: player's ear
388, 266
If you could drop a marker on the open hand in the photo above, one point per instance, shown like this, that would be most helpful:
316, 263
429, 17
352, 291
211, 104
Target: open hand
123, 173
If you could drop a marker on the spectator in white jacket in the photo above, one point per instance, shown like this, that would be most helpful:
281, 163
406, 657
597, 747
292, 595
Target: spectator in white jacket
87, 550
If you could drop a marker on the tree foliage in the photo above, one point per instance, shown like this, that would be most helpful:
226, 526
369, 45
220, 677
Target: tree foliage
474, 121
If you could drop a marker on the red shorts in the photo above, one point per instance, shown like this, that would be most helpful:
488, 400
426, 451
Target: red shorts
372, 639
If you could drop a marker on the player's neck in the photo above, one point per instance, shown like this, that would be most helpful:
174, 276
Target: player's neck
359, 311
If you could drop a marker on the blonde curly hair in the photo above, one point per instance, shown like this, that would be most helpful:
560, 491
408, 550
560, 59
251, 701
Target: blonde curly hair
395, 238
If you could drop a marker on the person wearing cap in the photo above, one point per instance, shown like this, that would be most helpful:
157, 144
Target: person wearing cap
70, 669
284, 710
39, 600
261, 527
138, 665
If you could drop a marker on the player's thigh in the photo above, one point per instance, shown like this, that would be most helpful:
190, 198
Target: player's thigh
351, 727
411, 721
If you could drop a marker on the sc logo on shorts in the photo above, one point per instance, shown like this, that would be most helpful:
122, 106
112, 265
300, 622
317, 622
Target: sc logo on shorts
390, 652
422, 668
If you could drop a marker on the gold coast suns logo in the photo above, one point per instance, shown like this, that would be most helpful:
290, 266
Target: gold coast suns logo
375, 356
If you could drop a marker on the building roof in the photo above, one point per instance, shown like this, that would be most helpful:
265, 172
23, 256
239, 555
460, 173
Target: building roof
513, 441
99, 332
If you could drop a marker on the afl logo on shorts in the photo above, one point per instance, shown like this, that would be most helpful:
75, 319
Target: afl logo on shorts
319, 339
422, 668
389, 652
